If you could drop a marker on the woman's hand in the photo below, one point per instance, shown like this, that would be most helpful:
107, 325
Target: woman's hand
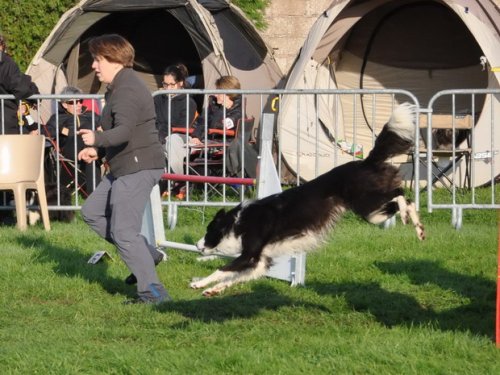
88, 155
195, 141
88, 136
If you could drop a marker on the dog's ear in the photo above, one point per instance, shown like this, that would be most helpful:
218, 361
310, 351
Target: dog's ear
220, 214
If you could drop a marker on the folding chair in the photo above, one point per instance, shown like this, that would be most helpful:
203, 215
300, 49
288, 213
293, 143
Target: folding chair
225, 152
458, 133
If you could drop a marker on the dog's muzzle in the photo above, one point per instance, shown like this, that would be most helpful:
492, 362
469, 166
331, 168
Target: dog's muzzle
200, 245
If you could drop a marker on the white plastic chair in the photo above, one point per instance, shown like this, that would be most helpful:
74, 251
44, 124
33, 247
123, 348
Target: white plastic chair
21, 168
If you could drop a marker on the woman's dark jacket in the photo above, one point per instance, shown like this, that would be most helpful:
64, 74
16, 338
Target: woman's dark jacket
130, 137
13, 82
179, 107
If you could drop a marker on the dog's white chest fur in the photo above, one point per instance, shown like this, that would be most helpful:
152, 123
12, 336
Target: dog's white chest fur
231, 245
305, 242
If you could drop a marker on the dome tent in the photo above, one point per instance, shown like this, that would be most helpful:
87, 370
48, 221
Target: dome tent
212, 37
422, 46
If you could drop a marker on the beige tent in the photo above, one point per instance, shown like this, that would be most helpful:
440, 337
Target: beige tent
212, 37
419, 46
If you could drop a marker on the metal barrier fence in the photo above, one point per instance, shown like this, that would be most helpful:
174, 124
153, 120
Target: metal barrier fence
325, 144
473, 158
316, 130
42, 111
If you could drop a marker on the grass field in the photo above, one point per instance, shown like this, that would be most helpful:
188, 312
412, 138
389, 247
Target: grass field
375, 302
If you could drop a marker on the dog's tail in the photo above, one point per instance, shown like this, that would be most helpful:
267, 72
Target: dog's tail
397, 136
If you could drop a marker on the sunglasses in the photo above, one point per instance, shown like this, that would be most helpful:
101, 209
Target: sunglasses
165, 84
74, 102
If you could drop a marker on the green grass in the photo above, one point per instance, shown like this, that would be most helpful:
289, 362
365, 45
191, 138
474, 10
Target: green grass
375, 302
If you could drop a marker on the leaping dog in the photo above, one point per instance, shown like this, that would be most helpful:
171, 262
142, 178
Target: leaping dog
298, 219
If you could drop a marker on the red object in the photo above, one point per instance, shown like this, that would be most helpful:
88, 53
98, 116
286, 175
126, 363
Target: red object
221, 132
88, 103
209, 179
229, 133
182, 130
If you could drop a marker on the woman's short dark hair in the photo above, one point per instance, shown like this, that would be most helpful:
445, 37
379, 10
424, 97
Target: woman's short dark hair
114, 48
176, 72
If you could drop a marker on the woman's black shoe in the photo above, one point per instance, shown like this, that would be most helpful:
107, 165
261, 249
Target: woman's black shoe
160, 257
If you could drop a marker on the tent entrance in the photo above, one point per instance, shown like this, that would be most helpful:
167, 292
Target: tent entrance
422, 47
158, 37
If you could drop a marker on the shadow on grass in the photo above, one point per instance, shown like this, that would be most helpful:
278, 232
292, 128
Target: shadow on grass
73, 263
399, 309
241, 306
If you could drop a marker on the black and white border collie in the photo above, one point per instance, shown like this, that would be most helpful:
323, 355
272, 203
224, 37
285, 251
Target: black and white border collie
298, 219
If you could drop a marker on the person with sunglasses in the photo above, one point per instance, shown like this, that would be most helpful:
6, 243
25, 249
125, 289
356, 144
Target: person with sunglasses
62, 130
173, 110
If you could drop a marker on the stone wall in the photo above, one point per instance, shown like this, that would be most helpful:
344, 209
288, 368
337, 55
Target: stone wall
289, 22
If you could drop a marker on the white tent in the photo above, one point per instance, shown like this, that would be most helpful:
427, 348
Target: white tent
212, 37
419, 46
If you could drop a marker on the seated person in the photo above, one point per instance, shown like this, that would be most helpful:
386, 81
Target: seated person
227, 113
189, 81
71, 117
224, 111
173, 110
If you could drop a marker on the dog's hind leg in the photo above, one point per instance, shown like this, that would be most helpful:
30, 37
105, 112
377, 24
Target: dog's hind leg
384, 213
411, 211
408, 210
403, 208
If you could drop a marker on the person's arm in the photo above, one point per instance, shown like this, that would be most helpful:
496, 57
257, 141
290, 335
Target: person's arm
17, 83
210, 117
161, 121
125, 109
192, 110
199, 127
88, 155
49, 130
233, 116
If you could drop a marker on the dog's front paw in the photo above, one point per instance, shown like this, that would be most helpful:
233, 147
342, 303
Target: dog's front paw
420, 231
210, 292
196, 283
